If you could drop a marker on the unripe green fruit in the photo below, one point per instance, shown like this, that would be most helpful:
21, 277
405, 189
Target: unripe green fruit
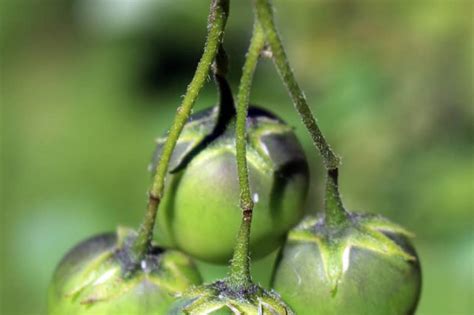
200, 211
94, 278
219, 298
368, 267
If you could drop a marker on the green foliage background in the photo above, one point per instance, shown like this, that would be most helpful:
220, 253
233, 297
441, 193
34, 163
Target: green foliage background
87, 85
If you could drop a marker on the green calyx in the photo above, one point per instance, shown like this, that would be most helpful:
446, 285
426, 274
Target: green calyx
364, 231
339, 231
221, 297
196, 132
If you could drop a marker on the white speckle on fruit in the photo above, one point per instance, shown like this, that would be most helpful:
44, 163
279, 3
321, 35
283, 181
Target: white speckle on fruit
265, 149
345, 259
256, 198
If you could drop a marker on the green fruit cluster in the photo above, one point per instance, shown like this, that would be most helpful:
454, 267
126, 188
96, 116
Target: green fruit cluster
364, 265
200, 217
236, 185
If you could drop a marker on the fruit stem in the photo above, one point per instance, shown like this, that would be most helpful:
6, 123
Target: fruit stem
226, 105
225, 110
336, 214
264, 12
240, 265
217, 19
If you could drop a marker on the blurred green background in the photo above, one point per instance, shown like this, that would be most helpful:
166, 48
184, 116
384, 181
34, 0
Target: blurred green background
87, 85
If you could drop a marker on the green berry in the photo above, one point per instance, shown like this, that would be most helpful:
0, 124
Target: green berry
96, 278
200, 211
364, 266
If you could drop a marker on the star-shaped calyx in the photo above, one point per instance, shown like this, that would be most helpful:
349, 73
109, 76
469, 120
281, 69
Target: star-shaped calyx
221, 296
269, 140
338, 231
109, 274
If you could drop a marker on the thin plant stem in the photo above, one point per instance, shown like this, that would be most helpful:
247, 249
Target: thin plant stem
335, 214
264, 12
216, 24
240, 265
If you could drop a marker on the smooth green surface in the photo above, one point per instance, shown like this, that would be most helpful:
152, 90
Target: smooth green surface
373, 283
217, 221
200, 212
364, 232
389, 81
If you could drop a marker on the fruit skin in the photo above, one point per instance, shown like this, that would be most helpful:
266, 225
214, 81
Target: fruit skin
90, 279
200, 211
373, 283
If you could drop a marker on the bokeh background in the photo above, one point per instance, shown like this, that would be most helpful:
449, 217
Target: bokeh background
87, 85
